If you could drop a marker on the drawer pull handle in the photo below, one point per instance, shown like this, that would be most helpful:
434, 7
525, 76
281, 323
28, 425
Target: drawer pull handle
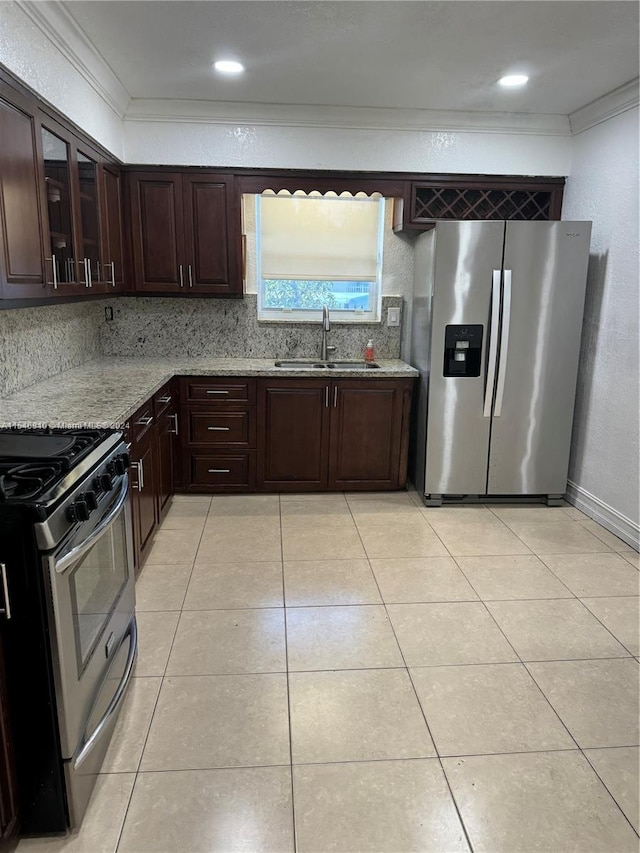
145, 421
217, 392
219, 470
218, 429
164, 399
175, 423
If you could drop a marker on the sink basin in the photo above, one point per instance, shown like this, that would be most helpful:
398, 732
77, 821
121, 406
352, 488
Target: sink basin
306, 364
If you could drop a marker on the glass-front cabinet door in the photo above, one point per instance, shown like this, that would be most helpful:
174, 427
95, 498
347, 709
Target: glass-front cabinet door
57, 176
91, 272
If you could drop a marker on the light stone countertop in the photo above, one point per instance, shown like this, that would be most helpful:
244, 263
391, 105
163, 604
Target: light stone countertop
107, 391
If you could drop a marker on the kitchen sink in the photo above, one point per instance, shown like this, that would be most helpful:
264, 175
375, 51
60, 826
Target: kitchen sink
306, 364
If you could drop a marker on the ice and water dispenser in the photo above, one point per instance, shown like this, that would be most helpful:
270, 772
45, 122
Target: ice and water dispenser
462, 350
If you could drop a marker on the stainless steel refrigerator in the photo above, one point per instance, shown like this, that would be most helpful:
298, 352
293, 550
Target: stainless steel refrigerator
496, 320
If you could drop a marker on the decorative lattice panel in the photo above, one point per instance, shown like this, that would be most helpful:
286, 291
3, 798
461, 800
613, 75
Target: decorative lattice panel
461, 203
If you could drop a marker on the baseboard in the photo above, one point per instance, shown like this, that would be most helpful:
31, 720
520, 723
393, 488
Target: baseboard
605, 515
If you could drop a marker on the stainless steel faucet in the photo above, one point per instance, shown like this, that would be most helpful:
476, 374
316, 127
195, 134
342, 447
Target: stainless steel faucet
326, 327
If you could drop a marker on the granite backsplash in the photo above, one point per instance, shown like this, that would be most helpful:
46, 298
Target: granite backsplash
36, 343
152, 326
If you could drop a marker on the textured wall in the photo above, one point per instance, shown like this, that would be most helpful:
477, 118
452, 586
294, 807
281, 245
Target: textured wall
153, 326
603, 187
36, 343
201, 144
26, 51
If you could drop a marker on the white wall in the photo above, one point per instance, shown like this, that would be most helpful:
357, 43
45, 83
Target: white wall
294, 147
603, 187
33, 56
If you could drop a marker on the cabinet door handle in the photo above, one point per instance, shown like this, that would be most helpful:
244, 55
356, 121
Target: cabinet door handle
87, 272
217, 392
6, 610
218, 429
181, 276
326, 396
335, 396
140, 475
54, 266
190, 276
113, 273
138, 486
175, 423
219, 471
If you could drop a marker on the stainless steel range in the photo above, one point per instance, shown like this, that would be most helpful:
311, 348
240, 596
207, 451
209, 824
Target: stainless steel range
69, 630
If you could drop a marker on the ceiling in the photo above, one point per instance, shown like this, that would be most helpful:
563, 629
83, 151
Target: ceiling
412, 55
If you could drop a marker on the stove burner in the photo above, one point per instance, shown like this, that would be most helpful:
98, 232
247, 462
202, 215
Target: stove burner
32, 461
27, 480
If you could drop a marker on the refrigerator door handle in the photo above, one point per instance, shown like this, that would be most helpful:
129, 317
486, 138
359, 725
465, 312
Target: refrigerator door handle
493, 343
504, 343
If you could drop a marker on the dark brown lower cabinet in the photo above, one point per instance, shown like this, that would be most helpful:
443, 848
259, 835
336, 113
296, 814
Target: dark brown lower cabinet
9, 821
143, 494
369, 420
343, 434
293, 434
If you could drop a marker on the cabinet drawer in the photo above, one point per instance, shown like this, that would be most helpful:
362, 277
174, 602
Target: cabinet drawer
162, 399
221, 390
222, 427
142, 421
224, 472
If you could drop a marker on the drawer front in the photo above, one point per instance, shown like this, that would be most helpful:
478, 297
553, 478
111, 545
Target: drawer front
220, 427
223, 472
162, 399
142, 421
221, 390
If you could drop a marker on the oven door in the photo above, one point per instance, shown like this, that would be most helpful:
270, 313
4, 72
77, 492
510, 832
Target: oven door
91, 608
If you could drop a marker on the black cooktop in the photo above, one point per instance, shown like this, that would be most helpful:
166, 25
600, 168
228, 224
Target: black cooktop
32, 461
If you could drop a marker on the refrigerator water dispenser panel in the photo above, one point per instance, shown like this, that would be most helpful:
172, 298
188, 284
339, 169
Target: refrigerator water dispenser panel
462, 350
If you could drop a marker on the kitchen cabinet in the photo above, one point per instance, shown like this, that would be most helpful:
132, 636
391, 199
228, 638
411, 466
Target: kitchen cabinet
185, 233
113, 231
343, 434
166, 415
293, 434
218, 427
22, 248
144, 488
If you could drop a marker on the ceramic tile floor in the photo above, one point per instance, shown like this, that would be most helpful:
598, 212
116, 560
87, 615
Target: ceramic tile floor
359, 673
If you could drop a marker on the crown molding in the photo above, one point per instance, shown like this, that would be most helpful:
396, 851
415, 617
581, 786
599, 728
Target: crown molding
351, 118
58, 25
612, 104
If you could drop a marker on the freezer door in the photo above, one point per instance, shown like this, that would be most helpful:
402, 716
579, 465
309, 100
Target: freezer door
545, 269
468, 258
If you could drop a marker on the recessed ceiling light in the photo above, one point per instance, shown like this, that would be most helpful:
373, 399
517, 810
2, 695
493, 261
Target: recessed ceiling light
228, 66
513, 80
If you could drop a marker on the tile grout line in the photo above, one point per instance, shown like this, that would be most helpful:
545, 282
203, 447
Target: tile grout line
546, 698
595, 770
597, 618
415, 692
286, 658
155, 704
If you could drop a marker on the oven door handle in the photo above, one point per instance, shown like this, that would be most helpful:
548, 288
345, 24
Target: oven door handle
116, 701
75, 553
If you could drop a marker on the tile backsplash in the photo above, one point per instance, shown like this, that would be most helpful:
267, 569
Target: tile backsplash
36, 343
152, 326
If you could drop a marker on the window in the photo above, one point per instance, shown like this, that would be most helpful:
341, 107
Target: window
315, 250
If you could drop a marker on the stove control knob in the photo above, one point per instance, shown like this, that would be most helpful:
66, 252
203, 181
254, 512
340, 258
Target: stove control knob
91, 500
106, 482
78, 511
126, 461
118, 466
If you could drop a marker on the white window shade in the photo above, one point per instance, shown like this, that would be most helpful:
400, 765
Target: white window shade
319, 238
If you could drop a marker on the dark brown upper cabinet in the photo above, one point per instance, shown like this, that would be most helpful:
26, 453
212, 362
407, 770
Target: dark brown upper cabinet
185, 233
113, 231
22, 248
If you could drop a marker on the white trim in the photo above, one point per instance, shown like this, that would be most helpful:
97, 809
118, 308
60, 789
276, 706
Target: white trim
63, 31
367, 118
612, 104
604, 514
